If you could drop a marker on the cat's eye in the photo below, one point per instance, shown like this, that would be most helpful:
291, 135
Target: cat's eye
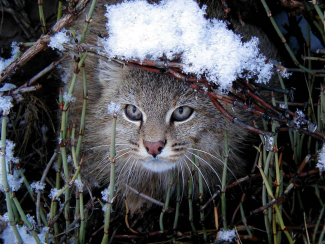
132, 112
182, 113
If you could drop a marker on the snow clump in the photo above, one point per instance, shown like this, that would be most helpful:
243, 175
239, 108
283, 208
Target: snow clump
179, 27
68, 98
5, 104
113, 108
4, 63
105, 194
321, 159
58, 39
226, 235
14, 179
37, 186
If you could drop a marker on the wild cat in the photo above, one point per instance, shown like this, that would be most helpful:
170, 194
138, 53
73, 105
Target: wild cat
161, 124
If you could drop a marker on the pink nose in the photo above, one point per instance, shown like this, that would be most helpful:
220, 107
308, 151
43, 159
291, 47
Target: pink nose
154, 148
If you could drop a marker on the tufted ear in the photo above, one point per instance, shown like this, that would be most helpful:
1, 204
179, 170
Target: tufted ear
111, 71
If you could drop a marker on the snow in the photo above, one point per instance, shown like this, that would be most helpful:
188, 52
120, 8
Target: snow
79, 184
10, 146
227, 235
179, 27
38, 186
58, 39
113, 108
54, 193
4, 63
284, 73
300, 119
7, 87
105, 194
14, 180
283, 105
8, 236
5, 104
321, 159
68, 97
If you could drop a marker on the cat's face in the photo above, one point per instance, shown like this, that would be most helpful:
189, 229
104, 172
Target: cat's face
162, 121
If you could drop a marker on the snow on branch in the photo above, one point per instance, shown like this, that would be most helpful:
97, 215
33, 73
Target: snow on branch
207, 47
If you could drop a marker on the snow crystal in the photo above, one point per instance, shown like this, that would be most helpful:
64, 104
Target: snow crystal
311, 126
5, 217
113, 108
5, 104
105, 194
79, 184
227, 235
4, 63
58, 39
7, 87
10, 145
300, 119
38, 186
321, 159
31, 219
54, 193
69, 159
284, 73
104, 208
173, 27
8, 236
68, 97
14, 180
283, 105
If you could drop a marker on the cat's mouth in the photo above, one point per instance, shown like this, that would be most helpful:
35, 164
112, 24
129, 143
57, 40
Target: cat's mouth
157, 164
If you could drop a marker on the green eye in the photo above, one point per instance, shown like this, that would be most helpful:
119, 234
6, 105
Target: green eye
182, 113
132, 112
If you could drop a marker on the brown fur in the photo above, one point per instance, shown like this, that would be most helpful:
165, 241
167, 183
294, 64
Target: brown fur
155, 95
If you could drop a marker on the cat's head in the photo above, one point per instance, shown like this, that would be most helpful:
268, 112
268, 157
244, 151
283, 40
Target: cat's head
162, 123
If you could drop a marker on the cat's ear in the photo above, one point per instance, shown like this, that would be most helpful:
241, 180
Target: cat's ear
111, 71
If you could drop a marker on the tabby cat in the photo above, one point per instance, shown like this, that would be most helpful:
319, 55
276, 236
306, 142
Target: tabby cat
161, 124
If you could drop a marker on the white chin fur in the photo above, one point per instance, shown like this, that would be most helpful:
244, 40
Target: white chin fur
157, 165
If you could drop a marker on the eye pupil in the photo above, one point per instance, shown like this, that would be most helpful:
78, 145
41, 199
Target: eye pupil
181, 113
133, 113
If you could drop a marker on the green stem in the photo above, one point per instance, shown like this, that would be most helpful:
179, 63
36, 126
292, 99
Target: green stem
59, 10
224, 181
112, 182
161, 218
5, 180
90, 13
190, 202
293, 57
24, 218
201, 195
41, 16
178, 195
244, 219
84, 109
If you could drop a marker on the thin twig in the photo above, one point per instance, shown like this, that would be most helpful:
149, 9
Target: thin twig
42, 42
144, 196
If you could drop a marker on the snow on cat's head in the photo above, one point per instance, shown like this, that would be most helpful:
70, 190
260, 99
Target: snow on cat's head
179, 27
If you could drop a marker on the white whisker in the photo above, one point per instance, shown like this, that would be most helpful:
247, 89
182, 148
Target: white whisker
125, 164
200, 174
216, 173
191, 175
220, 162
